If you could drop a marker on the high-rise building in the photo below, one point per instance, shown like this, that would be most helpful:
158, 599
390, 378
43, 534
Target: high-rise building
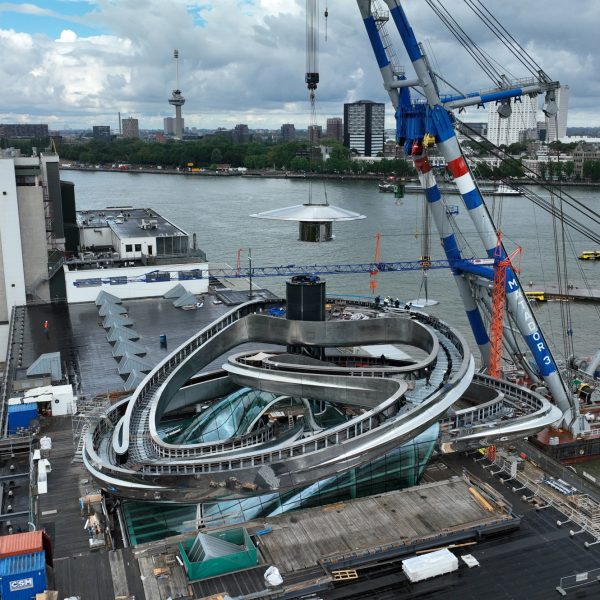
241, 134
24, 131
101, 132
169, 125
288, 132
556, 127
30, 191
519, 126
364, 123
472, 128
314, 133
335, 129
131, 128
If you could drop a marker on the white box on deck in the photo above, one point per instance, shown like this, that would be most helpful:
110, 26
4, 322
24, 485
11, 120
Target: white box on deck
63, 402
429, 565
470, 560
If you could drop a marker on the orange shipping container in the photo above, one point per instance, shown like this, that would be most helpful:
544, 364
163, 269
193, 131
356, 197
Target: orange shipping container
25, 543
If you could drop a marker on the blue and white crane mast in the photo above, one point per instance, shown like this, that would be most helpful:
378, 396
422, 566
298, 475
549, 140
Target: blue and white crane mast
419, 125
398, 90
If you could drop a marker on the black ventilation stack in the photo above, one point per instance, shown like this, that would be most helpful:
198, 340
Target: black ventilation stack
306, 301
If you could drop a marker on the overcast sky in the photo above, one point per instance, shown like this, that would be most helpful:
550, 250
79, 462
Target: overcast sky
74, 63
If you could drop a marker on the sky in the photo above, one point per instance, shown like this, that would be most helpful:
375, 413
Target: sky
77, 63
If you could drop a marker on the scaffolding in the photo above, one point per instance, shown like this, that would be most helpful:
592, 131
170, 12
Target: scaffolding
89, 411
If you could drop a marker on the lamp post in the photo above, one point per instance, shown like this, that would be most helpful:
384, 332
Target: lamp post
250, 270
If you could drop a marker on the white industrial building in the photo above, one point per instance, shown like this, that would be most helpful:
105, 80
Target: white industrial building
30, 228
132, 253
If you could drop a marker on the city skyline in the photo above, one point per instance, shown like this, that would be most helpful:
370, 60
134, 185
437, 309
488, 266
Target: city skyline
77, 63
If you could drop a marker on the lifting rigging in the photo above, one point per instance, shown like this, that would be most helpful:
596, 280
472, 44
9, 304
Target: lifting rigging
315, 218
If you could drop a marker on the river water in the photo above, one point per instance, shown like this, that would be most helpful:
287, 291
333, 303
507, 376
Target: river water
218, 209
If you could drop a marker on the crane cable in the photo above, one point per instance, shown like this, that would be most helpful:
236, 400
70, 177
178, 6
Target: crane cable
465, 40
494, 25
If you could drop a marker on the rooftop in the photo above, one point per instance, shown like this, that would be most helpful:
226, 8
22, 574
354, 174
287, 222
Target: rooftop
129, 222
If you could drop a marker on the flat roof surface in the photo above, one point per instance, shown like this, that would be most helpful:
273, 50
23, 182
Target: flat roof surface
75, 330
127, 222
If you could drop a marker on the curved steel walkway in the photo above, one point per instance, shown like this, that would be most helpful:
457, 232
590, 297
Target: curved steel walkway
388, 404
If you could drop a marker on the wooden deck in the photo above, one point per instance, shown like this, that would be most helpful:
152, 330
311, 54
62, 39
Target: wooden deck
305, 545
307, 538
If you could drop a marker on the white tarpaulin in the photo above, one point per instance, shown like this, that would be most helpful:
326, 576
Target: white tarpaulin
429, 565
272, 576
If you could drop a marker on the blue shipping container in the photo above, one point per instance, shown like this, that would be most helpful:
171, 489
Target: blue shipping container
23, 576
20, 416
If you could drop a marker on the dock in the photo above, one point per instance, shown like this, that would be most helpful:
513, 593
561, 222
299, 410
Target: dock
574, 294
309, 546
395, 523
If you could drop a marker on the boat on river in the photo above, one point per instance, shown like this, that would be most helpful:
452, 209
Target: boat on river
500, 190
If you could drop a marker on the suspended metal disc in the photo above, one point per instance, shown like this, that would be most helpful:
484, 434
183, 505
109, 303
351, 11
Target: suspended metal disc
423, 302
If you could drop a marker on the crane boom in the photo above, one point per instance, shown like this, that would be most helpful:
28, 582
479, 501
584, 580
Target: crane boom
419, 124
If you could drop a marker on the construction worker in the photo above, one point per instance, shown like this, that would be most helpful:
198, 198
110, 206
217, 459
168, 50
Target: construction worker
45, 326
427, 376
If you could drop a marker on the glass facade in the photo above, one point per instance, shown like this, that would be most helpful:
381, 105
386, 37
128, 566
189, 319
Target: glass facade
395, 470
171, 245
148, 521
237, 414
230, 417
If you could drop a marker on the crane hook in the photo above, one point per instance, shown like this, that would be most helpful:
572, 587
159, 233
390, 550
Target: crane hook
326, 15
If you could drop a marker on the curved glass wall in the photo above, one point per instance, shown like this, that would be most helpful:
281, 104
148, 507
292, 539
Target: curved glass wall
230, 417
398, 469
237, 414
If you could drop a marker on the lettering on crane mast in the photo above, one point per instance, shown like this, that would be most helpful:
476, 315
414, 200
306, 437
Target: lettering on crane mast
536, 337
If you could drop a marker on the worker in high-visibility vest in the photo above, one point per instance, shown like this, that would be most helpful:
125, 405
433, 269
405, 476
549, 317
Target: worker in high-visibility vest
46, 330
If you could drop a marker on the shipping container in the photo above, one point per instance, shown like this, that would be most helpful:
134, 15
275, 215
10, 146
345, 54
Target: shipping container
23, 576
30, 542
20, 416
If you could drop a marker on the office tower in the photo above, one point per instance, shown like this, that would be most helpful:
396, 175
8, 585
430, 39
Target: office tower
169, 125
288, 132
364, 127
101, 132
335, 129
518, 126
314, 133
19, 130
241, 134
131, 128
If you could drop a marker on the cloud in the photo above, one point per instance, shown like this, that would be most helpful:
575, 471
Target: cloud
25, 8
244, 61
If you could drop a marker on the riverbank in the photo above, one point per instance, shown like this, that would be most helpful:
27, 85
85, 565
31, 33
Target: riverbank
212, 173
272, 174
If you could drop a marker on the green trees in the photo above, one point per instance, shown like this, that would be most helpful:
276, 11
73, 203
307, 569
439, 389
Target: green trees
297, 156
591, 170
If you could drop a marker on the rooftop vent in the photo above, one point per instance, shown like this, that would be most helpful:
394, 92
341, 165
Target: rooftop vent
149, 224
